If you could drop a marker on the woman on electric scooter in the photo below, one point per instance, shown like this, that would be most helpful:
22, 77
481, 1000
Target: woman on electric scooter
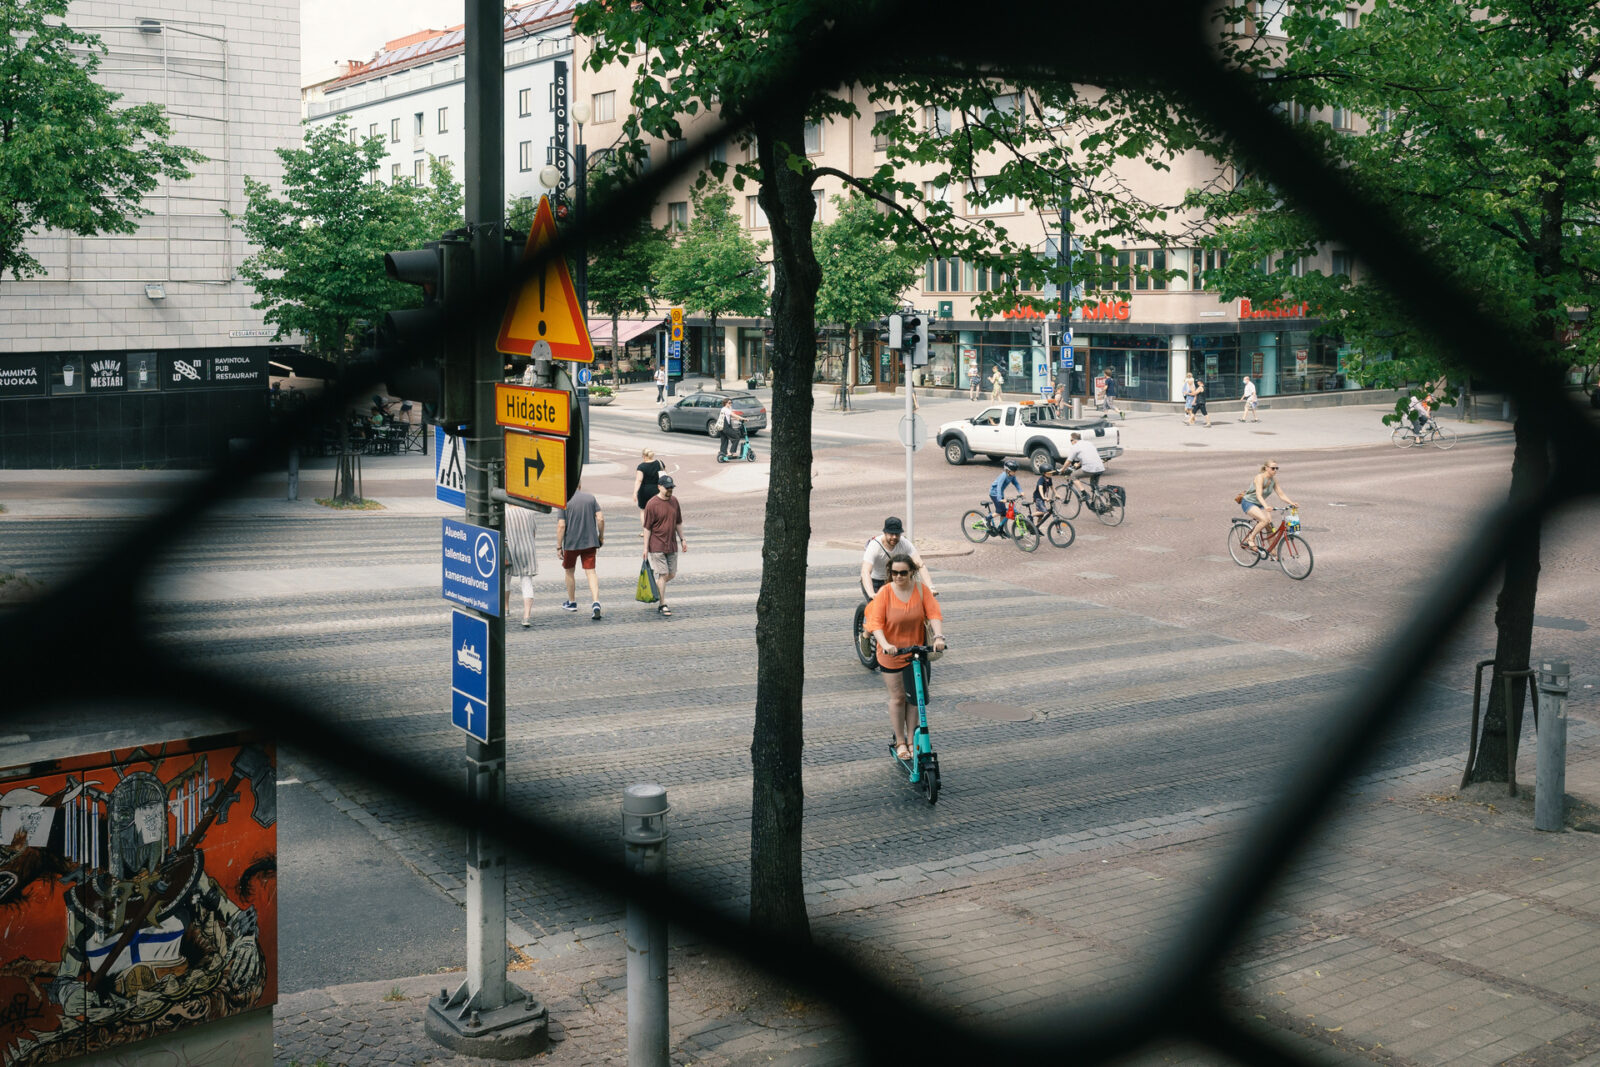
901, 614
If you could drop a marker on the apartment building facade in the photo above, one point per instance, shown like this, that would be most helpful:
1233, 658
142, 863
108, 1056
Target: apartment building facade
142, 349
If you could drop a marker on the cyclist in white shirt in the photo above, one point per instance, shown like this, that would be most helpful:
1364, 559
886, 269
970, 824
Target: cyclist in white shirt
1082, 458
885, 547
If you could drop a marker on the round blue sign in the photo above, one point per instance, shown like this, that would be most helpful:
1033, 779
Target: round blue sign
585, 375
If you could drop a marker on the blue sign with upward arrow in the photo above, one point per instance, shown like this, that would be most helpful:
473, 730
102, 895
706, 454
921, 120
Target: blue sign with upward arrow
469, 674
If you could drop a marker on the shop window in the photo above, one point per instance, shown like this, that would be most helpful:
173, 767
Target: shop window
881, 140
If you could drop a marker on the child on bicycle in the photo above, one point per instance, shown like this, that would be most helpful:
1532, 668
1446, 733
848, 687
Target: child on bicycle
997, 494
1044, 491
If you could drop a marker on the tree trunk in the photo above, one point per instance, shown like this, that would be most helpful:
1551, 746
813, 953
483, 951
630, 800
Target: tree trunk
616, 356
777, 899
716, 351
346, 476
1513, 615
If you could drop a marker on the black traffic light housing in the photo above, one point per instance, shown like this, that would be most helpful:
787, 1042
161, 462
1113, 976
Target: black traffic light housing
429, 349
890, 331
914, 339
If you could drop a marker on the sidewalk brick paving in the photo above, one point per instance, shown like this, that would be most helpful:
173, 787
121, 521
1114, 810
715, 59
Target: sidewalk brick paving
1419, 928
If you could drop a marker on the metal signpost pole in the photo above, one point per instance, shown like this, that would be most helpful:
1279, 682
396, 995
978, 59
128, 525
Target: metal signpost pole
486, 1014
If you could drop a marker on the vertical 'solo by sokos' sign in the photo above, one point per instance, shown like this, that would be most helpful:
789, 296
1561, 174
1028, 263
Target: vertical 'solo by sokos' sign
22, 376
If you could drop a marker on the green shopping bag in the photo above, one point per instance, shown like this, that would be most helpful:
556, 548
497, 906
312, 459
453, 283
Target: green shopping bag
646, 591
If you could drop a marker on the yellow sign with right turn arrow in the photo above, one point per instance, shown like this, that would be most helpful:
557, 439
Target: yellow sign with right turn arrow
536, 468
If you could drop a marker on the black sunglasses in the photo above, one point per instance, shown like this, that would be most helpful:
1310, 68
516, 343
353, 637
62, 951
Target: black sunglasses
900, 574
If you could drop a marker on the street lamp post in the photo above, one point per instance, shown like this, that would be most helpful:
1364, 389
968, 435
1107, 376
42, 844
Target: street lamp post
550, 177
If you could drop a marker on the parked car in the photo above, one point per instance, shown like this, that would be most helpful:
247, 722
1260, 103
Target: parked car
1024, 430
697, 412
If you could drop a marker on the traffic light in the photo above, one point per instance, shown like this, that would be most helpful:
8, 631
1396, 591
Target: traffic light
890, 331
914, 339
429, 349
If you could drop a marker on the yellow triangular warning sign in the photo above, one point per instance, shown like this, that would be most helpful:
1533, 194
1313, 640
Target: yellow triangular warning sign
547, 307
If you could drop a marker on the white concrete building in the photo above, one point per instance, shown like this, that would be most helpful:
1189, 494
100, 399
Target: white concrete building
412, 94
140, 349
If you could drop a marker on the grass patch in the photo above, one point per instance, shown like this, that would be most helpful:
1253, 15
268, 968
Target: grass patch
349, 505
394, 994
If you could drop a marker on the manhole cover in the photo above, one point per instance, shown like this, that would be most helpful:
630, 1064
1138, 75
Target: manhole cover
1001, 712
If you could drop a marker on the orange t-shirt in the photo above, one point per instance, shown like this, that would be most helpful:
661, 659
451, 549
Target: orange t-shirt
901, 623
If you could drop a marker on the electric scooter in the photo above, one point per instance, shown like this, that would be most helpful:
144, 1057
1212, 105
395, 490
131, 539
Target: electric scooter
745, 451
922, 769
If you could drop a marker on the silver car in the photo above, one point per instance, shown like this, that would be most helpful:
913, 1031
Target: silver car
697, 412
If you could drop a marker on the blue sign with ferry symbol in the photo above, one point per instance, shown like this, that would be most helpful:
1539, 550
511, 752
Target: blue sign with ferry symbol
469, 674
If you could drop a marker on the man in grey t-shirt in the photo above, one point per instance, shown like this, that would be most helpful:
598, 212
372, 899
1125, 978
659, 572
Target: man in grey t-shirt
579, 532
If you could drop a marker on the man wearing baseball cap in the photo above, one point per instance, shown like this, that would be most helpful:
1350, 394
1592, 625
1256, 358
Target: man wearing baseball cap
663, 526
881, 549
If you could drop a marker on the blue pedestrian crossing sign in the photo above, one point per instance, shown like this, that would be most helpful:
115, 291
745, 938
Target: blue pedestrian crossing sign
469, 674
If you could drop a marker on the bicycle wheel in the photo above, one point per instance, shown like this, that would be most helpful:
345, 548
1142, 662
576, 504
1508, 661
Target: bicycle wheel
1403, 437
1066, 504
976, 526
1025, 534
1061, 532
1294, 556
866, 646
1444, 437
1108, 505
1241, 553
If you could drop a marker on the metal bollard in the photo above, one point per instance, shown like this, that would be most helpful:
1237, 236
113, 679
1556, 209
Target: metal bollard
644, 843
1077, 407
1550, 782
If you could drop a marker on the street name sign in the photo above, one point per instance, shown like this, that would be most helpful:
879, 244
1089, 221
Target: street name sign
522, 407
546, 307
469, 674
471, 565
536, 468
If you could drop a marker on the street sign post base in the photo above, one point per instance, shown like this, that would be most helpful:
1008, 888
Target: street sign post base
516, 1031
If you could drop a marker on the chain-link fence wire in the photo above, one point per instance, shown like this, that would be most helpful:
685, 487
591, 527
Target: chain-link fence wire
1181, 996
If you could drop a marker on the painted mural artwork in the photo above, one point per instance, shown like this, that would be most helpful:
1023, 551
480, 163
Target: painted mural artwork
138, 895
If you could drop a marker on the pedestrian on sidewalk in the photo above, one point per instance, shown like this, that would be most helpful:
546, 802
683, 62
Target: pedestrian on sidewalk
1100, 390
522, 558
1200, 402
663, 528
996, 380
661, 382
1249, 401
1111, 394
580, 532
1188, 399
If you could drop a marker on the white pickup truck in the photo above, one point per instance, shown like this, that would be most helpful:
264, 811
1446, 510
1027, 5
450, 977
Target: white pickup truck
1023, 430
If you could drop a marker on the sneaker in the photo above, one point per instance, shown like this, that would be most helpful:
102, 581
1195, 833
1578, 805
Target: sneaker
595, 607
569, 605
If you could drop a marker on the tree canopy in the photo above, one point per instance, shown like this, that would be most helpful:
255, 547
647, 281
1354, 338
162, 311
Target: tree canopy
70, 159
318, 265
714, 267
863, 271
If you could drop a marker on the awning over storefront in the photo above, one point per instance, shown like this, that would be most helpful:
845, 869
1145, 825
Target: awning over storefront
627, 329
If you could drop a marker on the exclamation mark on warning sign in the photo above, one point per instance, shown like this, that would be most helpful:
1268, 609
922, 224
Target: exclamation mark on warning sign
541, 303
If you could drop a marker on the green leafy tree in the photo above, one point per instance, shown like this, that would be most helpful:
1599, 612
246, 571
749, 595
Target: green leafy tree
318, 265
623, 260
714, 268
70, 159
863, 270
1480, 126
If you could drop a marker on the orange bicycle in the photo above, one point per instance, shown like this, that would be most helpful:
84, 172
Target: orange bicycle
1282, 541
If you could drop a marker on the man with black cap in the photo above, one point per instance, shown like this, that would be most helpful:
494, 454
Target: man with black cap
881, 549
663, 527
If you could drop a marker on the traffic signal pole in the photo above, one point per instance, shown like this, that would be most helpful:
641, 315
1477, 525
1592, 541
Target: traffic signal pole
486, 1015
